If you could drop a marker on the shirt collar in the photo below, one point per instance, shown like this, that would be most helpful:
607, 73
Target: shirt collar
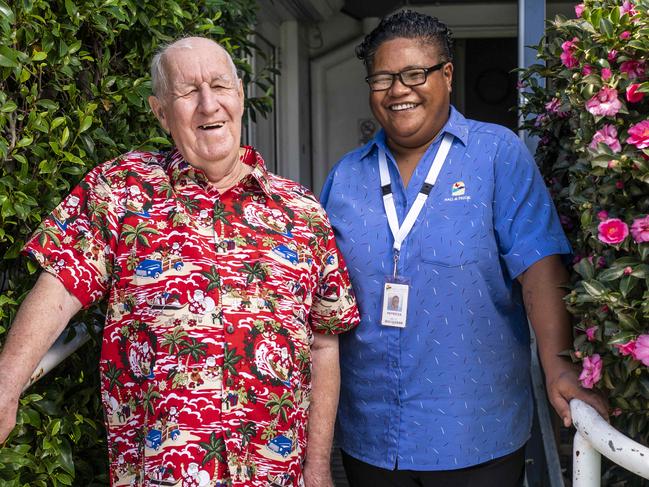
455, 125
181, 172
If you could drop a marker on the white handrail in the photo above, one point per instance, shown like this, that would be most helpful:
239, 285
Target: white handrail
59, 351
595, 437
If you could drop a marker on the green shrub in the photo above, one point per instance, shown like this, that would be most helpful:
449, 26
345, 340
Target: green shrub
593, 123
73, 88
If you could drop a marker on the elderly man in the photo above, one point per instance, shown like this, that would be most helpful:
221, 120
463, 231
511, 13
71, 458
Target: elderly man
451, 214
214, 271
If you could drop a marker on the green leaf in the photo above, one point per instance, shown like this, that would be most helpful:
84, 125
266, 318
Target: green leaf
594, 288
627, 284
85, 123
611, 274
8, 57
8, 107
606, 27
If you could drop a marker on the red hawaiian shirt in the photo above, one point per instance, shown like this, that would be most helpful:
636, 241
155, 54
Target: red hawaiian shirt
212, 304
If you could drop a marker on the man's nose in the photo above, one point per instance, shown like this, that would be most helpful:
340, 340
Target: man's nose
209, 99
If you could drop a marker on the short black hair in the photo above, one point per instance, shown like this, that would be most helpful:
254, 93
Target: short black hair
410, 25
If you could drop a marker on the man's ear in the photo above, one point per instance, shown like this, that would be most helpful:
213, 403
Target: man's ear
158, 111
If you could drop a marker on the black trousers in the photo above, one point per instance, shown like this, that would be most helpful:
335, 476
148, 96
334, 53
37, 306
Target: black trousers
507, 471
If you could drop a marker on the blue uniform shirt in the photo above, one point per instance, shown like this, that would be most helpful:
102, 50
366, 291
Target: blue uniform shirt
452, 388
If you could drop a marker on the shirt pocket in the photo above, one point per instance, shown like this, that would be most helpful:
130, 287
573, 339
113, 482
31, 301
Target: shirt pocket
452, 235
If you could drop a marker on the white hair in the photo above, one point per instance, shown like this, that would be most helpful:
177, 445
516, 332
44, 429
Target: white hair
158, 74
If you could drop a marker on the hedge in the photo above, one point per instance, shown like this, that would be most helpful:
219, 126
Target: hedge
73, 88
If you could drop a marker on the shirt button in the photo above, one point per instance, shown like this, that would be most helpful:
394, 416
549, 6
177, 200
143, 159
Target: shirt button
230, 328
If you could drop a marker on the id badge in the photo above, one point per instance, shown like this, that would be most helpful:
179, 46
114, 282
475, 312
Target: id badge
395, 302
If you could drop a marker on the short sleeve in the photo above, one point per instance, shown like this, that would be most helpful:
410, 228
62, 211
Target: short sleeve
76, 241
525, 219
334, 307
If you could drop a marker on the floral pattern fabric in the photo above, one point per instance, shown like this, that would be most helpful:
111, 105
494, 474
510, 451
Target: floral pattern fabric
213, 300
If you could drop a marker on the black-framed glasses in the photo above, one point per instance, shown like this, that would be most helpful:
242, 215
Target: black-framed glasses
408, 77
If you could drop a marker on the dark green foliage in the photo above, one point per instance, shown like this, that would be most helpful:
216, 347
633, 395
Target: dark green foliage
73, 88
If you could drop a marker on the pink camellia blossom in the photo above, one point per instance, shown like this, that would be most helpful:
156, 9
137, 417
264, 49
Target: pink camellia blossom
602, 215
626, 348
612, 231
640, 229
606, 74
567, 56
632, 94
641, 351
612, 55
633, 68
586, 69
639, 135
554, 106
605, 103
607, 135
590, 333
625, 35
627, 8
628, 270
592, 371
579, 9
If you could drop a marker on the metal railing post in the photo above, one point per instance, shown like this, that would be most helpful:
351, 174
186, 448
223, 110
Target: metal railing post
594, 437
586, 463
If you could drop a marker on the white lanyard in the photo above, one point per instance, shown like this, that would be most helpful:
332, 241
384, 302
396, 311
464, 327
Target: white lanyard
401, 232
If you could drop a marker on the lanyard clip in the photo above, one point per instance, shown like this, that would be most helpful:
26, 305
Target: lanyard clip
395, 258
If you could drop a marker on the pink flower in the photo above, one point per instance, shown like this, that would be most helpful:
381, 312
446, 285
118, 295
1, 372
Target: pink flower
627, 8
590, 333
632, 95
628, 270
592, 371
554, 106
586, 70
579, 9
606, 74
619, 184
635, 69
607, 135
641, 351
612, 164
567, 56
602, 215
613, 231
612, 54
625, 35
640, 229
626, 348
639, 135
605, 103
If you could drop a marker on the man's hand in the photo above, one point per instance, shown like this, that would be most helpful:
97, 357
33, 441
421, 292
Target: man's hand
563, 386
317, 474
